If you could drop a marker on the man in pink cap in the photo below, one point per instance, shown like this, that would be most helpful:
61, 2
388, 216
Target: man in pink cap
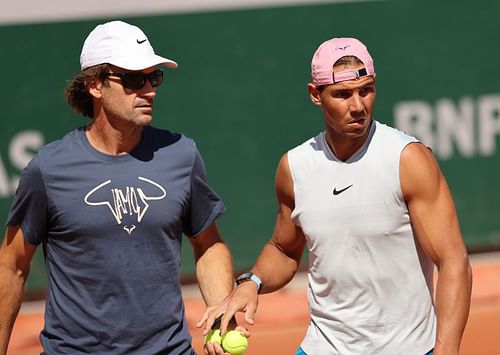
110, 202
375, 212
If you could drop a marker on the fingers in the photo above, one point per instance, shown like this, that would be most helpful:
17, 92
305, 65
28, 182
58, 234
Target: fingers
203, 318
219, 316
244, 298
211, 316
208, 318
214, 349
250, 313
213, 320
243, 330
228, 320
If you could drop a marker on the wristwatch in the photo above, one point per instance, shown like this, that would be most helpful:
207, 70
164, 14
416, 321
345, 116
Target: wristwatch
249, 276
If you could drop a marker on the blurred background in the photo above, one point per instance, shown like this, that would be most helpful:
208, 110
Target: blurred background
240, 92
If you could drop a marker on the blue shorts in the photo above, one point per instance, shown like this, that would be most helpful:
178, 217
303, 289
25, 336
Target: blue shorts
302, 352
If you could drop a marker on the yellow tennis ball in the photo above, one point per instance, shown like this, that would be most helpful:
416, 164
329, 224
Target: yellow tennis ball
234, 342
213, 336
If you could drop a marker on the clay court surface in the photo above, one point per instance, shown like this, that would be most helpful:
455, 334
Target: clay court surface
282, 317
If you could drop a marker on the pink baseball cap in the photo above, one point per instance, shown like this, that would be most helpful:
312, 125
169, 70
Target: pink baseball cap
332, 50
121, 44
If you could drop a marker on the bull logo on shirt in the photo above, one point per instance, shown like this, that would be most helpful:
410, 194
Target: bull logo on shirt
130, 200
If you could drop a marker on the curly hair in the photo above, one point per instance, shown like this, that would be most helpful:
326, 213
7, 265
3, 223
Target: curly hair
77, 91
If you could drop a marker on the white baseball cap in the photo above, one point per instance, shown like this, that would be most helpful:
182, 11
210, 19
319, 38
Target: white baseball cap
120, 44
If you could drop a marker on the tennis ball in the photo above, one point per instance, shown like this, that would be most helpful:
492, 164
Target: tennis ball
234, 342
213, 336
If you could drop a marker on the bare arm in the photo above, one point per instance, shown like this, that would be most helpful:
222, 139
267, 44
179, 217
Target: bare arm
15, 259
277, 263
279, 260
214, 271
435, 222
214, 266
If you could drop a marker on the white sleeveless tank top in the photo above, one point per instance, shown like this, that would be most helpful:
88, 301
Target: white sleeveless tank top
370, 283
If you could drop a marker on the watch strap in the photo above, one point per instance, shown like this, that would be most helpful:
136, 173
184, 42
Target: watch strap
249, 276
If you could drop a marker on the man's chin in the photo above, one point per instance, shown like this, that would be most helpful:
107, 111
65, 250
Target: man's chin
144, 120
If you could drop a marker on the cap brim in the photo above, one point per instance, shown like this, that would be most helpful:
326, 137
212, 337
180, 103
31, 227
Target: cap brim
133, 64
157, 60
169, 63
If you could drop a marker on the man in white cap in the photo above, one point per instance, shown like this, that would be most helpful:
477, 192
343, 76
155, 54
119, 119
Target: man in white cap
376, 215
109, 202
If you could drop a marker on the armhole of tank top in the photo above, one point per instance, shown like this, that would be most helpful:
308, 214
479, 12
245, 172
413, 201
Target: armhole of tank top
400, 188
294, 179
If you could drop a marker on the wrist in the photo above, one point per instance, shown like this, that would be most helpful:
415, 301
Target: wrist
250, 276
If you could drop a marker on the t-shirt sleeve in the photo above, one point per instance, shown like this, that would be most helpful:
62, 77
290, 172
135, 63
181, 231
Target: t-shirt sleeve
205, 205
29, 207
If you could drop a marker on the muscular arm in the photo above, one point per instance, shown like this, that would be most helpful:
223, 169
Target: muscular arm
277, 263
214, 267
434, 220
280, 258
15, 259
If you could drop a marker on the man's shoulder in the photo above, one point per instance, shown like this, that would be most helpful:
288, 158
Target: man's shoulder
390, 140
51, 153
61, 145
168, 145
387, 130
312, 143
162, 138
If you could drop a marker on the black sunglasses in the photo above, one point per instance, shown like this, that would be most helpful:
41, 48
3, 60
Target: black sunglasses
136, 81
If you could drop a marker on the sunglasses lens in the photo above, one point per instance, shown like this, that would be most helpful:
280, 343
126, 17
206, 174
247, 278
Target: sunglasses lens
134, 81
156, 78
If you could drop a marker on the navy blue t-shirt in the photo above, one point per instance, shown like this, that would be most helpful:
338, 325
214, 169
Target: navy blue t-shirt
113, 227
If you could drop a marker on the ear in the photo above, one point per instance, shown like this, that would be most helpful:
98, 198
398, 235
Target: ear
95, 88
314, 94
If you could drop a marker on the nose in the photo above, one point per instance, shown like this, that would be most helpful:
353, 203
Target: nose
148, 90
356, 103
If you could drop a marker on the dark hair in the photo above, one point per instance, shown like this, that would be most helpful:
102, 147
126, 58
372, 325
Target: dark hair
77, 91
347, 60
